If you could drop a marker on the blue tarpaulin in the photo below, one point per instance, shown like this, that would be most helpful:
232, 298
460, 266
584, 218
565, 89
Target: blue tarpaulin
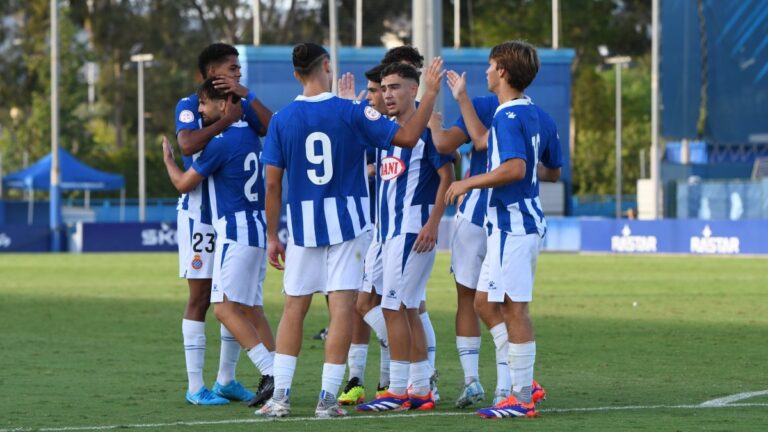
75, 175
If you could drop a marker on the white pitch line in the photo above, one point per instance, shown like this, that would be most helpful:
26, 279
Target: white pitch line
733, 398
378, 417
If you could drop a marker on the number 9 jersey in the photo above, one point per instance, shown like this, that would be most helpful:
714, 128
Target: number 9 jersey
321, 142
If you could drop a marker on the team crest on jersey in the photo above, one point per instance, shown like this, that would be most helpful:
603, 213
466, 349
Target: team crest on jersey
186, 116
371, 114
391, 168
197, 262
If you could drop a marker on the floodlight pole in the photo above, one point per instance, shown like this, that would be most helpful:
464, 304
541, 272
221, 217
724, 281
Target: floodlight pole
655, 159
555, 24
140, 59
456, 24
618, 63
333, 23
55, 191
256, 8
358, 23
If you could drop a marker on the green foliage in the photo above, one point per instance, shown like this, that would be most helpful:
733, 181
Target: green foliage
108, 32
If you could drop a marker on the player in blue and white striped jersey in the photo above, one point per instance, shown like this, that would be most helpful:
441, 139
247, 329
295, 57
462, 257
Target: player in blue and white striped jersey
468, 247
230, 162
516, 222
320, 141
410, 206
196, 235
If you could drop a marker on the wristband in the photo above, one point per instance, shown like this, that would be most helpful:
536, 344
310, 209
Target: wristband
250, 97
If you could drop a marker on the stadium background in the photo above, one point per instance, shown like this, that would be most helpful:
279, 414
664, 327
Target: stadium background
626, 333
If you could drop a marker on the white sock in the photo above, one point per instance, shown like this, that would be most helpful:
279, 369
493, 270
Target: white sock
333, 375
419, 376
262, 359
284, 368
384, 367
358, 355
469, 356
375, 319
194, 352
399, 372
500, 339
521, 359
230, 354
429, 332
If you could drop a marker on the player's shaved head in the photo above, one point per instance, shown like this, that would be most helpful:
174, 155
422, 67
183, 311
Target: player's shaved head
307, 57
520, 61
403, 70
214, 54
407, 54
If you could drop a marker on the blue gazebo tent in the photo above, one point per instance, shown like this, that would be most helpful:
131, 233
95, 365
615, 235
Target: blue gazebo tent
75, 175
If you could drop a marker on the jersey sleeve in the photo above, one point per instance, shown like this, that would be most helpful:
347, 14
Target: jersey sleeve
551, 156
510, 138
186, 115
251, 117
212, 157
436, 159
374, 128
273, 151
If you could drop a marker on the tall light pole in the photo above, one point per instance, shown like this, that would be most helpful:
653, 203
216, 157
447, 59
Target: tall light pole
618, 63
333, 23
256, 8
55, 192
141, 59
657, 209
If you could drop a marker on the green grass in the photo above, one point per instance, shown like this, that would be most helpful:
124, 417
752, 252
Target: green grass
92, 340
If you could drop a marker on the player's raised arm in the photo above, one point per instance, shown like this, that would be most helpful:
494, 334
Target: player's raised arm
410, 132
183, 181
192, 141
447, 141
477, 131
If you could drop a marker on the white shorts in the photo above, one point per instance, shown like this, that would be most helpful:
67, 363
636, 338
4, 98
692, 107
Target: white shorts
239, 274
197, 242
324, 269
373, 270
509, 267
405, 272
468, 248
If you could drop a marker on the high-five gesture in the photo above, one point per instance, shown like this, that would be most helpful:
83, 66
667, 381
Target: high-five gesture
346, 88
457, 84
433, 75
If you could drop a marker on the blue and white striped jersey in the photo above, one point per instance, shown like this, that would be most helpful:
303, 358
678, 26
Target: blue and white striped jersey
515, 134
321, 143
196, 202
473, 206
408, 183
550, 155
231, 163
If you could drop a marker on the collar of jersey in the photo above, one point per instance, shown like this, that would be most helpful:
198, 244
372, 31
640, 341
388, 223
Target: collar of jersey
318, 98
522, 101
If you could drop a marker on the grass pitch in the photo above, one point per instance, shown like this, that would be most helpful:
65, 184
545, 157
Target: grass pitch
93, 342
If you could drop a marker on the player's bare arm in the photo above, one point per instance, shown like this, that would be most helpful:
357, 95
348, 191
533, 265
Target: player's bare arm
477, 131
192, 141
427, 237
183, 181
546, 174
509, 171
446, 141
273, 202
410, 132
